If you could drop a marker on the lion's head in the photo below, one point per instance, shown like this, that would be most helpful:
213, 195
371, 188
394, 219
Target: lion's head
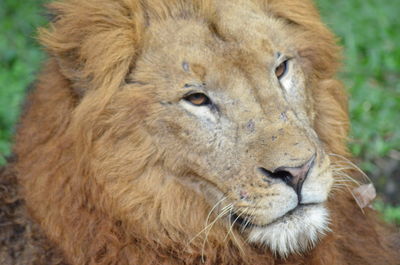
231, 111
182, 113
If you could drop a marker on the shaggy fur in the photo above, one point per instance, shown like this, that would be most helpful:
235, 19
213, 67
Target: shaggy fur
92, 177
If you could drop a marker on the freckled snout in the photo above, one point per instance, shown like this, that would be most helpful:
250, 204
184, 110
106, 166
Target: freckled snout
292, 176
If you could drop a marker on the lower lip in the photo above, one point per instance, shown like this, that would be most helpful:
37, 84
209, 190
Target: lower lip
245, 223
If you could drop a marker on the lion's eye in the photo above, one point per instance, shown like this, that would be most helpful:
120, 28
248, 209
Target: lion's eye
198, 99
281, 70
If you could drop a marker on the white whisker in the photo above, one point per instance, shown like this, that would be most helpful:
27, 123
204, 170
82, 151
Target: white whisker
350, 163
224, 211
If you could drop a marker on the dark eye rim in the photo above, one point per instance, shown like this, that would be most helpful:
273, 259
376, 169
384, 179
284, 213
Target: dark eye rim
285, 65
189, 97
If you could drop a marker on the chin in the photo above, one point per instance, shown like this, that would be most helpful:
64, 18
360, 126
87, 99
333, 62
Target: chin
296, 232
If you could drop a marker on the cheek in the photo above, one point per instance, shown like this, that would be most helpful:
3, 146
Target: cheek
294, 87
310, 109
180, 137
299, 98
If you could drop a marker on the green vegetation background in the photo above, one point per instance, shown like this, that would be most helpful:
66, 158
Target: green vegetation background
368, 30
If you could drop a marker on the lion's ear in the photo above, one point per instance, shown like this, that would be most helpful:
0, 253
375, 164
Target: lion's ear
94, 42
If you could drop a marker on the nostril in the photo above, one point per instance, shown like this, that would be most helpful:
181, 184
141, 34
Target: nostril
292, 176
265, 172
280, 174
285, 176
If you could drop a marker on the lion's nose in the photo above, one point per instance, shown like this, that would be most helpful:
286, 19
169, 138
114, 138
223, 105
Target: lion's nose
292, 176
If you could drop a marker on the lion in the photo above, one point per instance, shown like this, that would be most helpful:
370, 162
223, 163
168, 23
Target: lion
193, 132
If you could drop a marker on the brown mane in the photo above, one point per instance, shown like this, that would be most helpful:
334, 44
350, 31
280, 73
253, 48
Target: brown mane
92, 47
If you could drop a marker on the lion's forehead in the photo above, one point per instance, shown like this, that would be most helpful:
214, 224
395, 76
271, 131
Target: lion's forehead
237, 33
226, 62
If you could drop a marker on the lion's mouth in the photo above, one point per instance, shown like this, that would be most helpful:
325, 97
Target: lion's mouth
245, 222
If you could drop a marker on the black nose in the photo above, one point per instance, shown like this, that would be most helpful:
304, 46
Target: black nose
292, 176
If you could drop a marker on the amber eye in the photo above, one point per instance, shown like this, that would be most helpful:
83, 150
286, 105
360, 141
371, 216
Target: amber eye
281, 69
198, 99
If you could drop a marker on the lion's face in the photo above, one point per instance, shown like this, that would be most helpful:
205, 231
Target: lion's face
232, 114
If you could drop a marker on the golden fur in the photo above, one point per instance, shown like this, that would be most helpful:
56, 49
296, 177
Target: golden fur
107, 162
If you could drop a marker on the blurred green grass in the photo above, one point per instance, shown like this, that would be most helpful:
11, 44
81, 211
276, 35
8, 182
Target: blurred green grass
369, 32
368, 29
20, 58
